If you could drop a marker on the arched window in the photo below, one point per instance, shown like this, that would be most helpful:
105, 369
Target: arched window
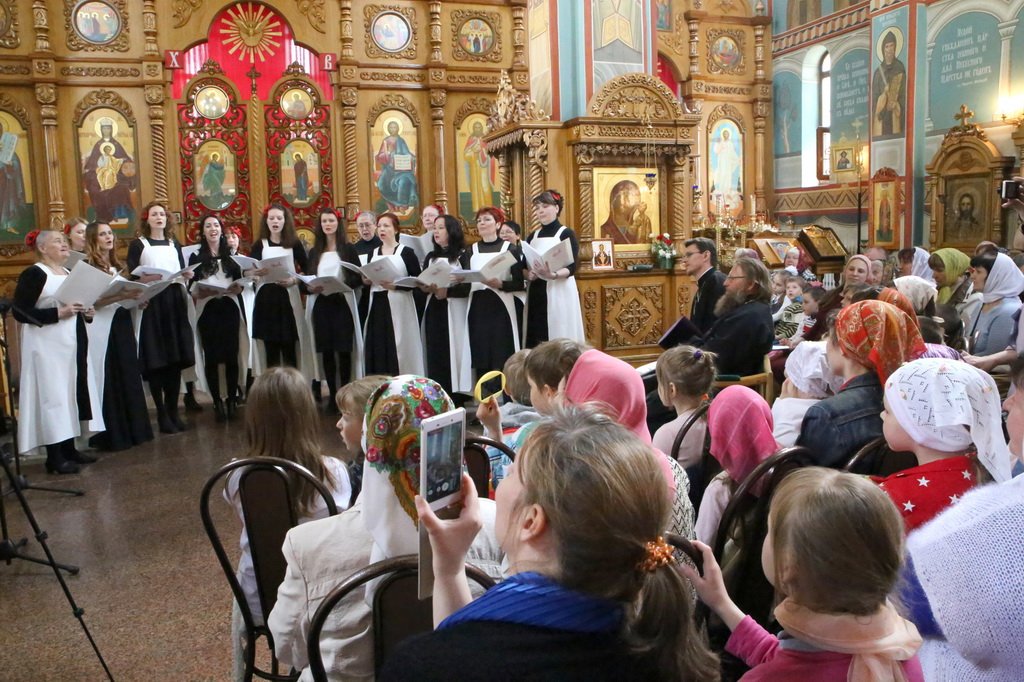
824, 117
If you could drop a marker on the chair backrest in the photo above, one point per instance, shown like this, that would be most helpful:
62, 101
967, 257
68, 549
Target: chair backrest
478, 462
764, 381
397, 612
876, 458
268, 495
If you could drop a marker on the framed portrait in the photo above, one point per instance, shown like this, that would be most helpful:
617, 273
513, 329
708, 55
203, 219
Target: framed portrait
626, 212
394, 184
844, 159
212, 102
604, 254
214, 175
390, 31
885, 208
17, 198
109, 168
296, 103
300, 173
96, 22
306, 236
342, 213
725, 169
822, 243
476, 37
725, 53
477, 171
772, 250
663, 15
177, 217
965, 218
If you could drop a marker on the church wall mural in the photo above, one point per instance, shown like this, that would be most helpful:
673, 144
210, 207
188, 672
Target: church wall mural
617, 38
786, 97
850, 97
964, 67
108, 167
17, 197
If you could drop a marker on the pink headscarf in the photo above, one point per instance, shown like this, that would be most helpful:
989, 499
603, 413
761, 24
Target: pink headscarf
741, 424
598, 377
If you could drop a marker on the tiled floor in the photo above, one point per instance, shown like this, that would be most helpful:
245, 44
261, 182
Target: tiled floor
155, 599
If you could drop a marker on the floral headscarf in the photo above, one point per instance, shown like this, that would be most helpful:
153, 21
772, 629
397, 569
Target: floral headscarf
895, 297
878, 335
956, 263
391, 473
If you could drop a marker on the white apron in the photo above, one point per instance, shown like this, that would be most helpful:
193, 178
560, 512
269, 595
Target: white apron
330, 266
476, 261
404, 321
304, 353
48, 402
565, 318
99, 337
243, 334
458, 339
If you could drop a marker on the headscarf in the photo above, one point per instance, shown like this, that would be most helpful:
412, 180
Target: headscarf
919, 266
918, 291
947, 406
741, 424
956, 263
601, 378
895, 297
807, 368
878, 335
391, 473
857, 256
1004, 280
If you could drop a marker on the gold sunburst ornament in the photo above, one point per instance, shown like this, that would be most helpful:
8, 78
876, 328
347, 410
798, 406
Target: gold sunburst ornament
251, 30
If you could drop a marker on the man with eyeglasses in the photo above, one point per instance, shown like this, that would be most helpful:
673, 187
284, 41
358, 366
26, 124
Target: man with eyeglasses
700, 261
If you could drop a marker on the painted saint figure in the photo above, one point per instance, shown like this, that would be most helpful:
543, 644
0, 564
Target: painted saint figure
109, 176
213, 180
480, 168
397, 178
965, 226
889, 90
12, 184
301, 178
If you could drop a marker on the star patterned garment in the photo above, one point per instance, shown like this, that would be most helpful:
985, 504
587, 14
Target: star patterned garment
921, 493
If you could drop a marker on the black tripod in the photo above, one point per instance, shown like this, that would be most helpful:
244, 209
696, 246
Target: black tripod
5, 307
9, 551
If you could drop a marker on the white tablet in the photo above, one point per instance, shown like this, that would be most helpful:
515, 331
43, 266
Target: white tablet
442, 439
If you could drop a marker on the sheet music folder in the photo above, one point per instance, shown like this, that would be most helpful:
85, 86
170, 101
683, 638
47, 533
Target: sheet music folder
681, 332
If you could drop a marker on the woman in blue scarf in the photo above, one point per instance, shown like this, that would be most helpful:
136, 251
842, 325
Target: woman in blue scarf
593, 593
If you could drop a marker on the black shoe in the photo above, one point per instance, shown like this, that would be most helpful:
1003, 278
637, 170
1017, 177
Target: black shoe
191, 405
232, 408
218, 410
79, 457
176, 420
61, 466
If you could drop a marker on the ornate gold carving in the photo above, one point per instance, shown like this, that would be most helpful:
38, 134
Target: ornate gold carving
159, 153
393, 101
349, 96
492, 19
585, 204
638, 96
14, 109
518, 36
46, 93
522, 79
677, 41
589, 312
182, 11
154, 94
348, 72
100, 98
149, 27
152, 70
41, 23
100, 71
476, 105
43, 67
512, 106
370, 12
727, 111
587, 151
295, 69
211, 66
438, 98
315, 13
964, 126
537, 151
9, 27
435, 32
15, 69
739, 37
683, 294
346, 29
393, 76
469, 78
713, 89
693, 26
632, 315
77, 42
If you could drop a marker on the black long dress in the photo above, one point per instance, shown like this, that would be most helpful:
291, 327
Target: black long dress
537, 292
334, 329
364, 249
125, 414
379, 340
221, 317
165, 336
491, 336
272, 317
437, 334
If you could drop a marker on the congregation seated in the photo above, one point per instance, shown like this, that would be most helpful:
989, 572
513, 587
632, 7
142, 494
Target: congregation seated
381, 524
855, 272
593, 593
1000, 282
808, 380
700, 261
867, 342
685, 375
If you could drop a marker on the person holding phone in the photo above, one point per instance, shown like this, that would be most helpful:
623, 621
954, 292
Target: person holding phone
593, 591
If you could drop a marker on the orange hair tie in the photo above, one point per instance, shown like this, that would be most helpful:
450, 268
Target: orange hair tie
659, 553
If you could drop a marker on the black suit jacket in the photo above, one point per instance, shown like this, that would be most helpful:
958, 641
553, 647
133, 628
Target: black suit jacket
710, 288
741, 338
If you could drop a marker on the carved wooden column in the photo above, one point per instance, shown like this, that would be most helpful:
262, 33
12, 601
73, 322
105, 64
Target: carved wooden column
505, 181
435, 32
149, 27
762, 108
41, 23
518, 36
346, 30
349, 98
258, 143
155, 100
694, 26
438, 98
585, 203
46, 95
680, 195
537, 164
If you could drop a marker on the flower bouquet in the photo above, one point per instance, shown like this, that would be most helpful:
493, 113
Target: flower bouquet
663, 251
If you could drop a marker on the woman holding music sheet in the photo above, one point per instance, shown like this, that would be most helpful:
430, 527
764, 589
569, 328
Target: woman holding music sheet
391, 336
114, 354
494, 318
332, 316
278, 321
552, 299
166, 339
444, 320
219, 322
55, 389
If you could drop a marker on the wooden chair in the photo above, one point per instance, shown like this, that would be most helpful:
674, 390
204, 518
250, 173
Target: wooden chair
267, 490
876, 458
397, 613
763, 382
478, 463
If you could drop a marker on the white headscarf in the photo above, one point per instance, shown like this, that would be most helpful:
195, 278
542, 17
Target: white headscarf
1004, 280
917, 290
920, 266
808, 369
947, 405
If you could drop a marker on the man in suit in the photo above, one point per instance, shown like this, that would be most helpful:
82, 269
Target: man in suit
700, 260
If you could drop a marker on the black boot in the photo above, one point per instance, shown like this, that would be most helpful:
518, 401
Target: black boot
163, 423
190, 399
72, 454
232, 408
55, 462
219, 411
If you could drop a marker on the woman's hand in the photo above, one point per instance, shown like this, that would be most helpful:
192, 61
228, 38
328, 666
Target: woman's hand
1017, 204
390, 286
490, 416
530, 275
188, 274
316, 290
90, 313
440, 293
149, 279
451, 539
257, 272
983, 363
367, 282
711, 587
68, 310
235, 289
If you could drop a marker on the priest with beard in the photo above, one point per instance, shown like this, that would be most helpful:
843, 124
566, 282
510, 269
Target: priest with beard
743, 333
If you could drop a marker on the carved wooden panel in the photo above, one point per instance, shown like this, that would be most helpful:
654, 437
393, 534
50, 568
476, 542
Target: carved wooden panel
636, 95
9, 24
632, 315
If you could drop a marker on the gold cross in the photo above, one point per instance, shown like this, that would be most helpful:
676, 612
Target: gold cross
964, 117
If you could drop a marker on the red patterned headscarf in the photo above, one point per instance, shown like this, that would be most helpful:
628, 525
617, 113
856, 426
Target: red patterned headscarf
894, 297
878, 335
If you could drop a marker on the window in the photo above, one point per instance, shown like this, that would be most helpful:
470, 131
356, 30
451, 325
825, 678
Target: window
824, 138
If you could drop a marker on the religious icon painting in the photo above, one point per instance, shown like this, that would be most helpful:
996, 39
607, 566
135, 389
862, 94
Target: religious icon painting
306, 236
394, 184
108, 166
96, 22
478, 172
300, 173
476, 37
390, 31
626, 212
17, 200
604, 256
885, 214
215, 181
296, 103
966, 218
725, 169
663, 15
725, 53
211, 102
889, 86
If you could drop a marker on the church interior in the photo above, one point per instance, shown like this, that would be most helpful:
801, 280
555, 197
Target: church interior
835, 126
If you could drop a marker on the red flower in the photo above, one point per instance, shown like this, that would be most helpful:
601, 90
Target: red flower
30, 239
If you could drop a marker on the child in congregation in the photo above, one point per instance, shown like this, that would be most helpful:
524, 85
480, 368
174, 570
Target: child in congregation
685, 375
788, 323
810, 300
823, 524
351, 400
808, 380
507, 423
779, 301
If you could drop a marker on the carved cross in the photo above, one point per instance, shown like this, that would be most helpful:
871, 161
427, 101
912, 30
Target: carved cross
253, 74
964, 117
